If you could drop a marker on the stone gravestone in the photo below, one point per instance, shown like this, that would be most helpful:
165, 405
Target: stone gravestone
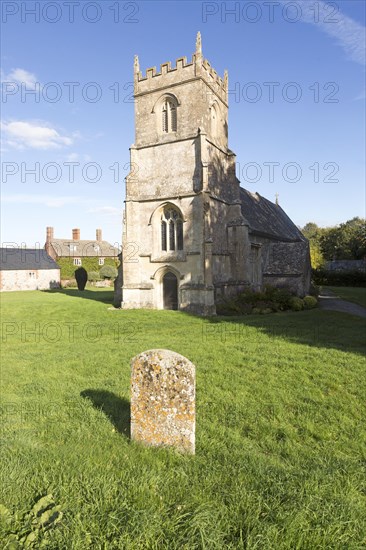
163, 399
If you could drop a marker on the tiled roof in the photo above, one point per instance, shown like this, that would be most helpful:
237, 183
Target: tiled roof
25, 258
83, 248
268, 219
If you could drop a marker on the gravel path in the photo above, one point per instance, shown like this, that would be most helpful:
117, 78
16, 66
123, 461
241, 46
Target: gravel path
329, 301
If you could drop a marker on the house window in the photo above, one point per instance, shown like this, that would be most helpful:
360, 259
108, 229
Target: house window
169, 116
32, 274
101, 261
96, 248
171, 230
77, 261
72, 247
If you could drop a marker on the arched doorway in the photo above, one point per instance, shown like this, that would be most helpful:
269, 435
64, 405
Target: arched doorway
170, 291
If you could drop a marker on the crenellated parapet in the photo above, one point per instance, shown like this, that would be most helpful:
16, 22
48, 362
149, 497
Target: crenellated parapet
181, 72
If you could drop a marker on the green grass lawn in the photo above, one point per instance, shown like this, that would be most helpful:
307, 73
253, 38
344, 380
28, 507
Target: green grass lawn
280, 440
352, 294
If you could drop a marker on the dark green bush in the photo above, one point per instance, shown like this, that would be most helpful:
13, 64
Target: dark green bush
81, 277
309, 302
271, 299
339, 278
296, 304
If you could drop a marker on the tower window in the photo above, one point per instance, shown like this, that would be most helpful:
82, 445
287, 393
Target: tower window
163, 235
173, 115
171, 230
165, 117
179, 234
171, 235
169, 116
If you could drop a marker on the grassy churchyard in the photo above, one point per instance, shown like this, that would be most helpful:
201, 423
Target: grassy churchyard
280, 439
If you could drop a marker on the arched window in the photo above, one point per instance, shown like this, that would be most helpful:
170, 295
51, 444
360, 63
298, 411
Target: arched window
171, 230
169, 116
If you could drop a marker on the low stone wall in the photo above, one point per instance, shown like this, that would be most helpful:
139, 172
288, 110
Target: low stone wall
32, 279
346, 265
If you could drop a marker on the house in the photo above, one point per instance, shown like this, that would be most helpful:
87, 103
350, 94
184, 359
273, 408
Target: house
76, 252
199, 237
27, 269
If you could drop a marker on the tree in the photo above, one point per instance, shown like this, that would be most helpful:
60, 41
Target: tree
311, 230
346, 241
313, 233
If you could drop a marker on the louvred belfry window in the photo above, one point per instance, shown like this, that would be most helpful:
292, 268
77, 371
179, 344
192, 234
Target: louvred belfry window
165, 116
173, 117
169, 116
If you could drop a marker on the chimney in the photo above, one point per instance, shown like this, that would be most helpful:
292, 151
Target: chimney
76, 234
98, 235
48, 246
49, 234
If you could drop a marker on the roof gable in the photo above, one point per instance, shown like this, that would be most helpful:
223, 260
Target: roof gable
268, 219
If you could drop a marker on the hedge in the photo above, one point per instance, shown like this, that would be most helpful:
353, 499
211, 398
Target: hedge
338, 278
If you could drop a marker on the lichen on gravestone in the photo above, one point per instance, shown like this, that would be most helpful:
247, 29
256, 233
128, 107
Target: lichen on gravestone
163, 400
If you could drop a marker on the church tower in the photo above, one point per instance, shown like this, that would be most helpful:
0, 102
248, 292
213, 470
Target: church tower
184, 236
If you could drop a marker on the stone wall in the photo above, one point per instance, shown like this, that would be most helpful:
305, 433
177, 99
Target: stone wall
287, 264
42, 279
346, 265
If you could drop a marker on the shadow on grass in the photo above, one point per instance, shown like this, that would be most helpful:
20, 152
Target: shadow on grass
314, 327
115, 408
104, 296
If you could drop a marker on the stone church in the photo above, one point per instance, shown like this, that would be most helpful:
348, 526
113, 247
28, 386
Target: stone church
191, 235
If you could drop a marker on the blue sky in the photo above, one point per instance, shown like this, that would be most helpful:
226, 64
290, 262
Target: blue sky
309, 134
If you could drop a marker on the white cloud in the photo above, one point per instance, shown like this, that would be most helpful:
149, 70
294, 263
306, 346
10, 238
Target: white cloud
329, 19
21, 135
21, 76
46, 200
